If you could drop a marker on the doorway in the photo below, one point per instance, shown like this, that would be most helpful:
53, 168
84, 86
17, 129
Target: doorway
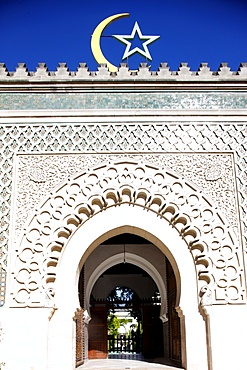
89, 247
127, 288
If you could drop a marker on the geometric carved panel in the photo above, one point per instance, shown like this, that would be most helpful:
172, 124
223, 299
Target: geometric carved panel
60, 192
167, 137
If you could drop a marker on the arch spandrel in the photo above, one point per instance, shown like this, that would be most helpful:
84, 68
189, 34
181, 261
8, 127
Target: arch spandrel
209, 238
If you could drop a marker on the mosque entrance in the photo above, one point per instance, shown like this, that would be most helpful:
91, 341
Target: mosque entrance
131, 312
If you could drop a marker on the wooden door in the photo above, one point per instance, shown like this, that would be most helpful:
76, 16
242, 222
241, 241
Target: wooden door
173, 318
97, 344
152, 332
79, 322
79, 337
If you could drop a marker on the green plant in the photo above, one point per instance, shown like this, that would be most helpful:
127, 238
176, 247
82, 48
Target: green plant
113, 324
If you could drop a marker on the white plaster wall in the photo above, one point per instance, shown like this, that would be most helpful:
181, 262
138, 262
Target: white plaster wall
228, 327
25, 340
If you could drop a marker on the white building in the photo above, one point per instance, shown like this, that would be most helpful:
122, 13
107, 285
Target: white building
88, 158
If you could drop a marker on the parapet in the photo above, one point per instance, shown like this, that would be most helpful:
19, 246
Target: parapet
163, 73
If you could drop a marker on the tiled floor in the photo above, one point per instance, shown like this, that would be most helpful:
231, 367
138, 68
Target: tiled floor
126, 361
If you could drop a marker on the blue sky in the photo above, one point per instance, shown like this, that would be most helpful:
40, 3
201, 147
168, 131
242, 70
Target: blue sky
53, 31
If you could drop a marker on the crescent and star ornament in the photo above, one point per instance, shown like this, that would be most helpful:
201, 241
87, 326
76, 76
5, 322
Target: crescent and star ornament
97, 34
95, 41
125, 39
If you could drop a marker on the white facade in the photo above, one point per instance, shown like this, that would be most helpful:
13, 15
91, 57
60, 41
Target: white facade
89, 156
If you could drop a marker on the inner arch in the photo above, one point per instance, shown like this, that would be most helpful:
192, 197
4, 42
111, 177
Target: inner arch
135, 260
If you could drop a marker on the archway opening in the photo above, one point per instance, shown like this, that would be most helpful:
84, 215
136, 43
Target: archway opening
136, 278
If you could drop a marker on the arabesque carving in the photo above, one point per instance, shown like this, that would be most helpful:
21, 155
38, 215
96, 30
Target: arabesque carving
38, 175
209, 237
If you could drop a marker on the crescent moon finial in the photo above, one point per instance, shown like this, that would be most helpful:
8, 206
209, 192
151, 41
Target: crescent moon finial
95, 41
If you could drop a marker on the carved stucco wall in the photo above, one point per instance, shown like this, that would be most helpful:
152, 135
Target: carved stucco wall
38, 175
204, 216
173, 137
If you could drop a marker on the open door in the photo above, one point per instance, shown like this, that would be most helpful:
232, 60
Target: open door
79, 337
152, 332
173, 318
97, 346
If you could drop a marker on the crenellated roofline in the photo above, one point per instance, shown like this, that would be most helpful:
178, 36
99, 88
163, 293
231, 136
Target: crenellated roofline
124, 79
143, 72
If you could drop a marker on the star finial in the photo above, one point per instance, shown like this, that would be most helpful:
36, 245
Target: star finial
125, 39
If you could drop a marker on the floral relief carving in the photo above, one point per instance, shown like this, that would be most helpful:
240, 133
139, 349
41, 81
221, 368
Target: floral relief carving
40, 174
77, 187
213, 173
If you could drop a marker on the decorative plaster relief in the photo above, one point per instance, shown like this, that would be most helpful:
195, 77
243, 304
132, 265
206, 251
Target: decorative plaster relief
40, 174
61, 192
